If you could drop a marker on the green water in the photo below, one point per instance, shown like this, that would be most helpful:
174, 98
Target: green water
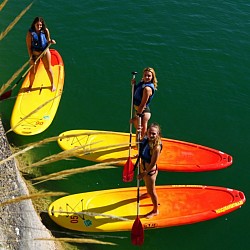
200, 51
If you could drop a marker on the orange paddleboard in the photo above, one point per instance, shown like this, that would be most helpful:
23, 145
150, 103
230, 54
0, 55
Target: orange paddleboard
177, 156
115, 209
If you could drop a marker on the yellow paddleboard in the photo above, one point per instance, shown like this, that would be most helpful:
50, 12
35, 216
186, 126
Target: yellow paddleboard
34, 111
116, 209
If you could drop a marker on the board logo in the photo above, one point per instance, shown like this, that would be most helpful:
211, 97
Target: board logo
46, 117
87, 223
150, 225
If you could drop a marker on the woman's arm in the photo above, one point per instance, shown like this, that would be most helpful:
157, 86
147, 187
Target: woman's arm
155, 157
48, 37
28, 43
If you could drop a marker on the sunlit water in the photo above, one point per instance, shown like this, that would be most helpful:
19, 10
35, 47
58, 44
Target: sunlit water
200, 51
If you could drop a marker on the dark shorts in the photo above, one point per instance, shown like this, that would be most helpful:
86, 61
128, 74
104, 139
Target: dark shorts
34, 57
146, 110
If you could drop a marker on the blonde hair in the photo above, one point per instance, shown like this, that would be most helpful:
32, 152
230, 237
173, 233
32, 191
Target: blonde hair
157, 141
154, 80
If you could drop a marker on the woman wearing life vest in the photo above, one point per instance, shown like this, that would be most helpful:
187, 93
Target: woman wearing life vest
37, 40
143, 94
150, 149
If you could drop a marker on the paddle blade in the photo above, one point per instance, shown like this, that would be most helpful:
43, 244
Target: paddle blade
128, 171
6, 95
137, 233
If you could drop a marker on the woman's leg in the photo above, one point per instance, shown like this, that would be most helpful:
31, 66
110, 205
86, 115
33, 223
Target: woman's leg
32, 74
144, 123
150, 185
47, 65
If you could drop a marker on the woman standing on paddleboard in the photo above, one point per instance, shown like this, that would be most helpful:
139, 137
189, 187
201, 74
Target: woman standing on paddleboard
37, 40
143, 94
150, 149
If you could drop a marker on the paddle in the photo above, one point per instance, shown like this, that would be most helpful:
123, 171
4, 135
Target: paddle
8, 93
128, 170
137, 232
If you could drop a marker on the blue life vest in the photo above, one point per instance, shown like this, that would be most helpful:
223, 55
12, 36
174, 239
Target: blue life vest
39, 42
145, 150
139, 92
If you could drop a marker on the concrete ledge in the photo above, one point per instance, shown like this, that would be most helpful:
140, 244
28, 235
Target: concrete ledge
20, 225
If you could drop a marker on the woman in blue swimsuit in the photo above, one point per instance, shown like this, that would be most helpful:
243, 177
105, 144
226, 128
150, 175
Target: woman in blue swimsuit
143, 94
37, 40
150, 149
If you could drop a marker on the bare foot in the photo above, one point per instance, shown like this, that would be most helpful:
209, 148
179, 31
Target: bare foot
151, 214
53, 88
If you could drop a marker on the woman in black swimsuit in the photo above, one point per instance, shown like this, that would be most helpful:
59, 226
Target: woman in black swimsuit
150, 150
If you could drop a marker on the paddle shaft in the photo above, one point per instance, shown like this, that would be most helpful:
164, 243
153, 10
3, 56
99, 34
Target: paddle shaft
7, 94
137, 233
131, 111
138, 167
128, 170
31, 66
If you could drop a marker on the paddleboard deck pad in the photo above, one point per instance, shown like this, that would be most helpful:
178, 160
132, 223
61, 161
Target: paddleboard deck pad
176, 156
29, 116
115, 209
